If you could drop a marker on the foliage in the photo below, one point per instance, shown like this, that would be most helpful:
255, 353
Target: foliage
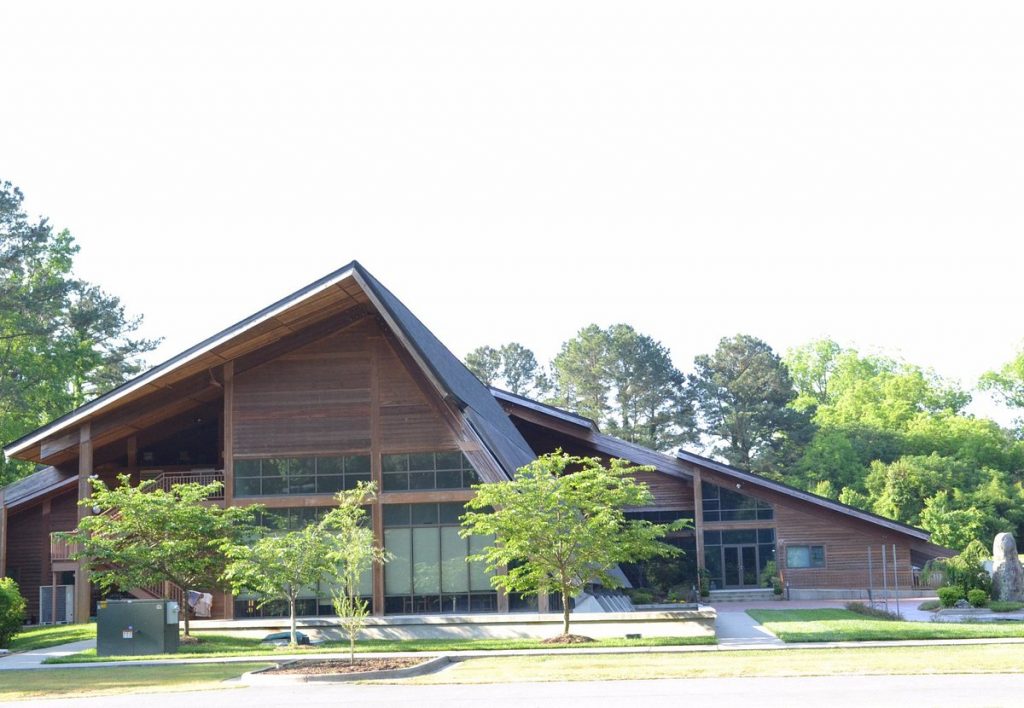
953, 528
559, 525
627, 382
977, 597
279, 566
145, 536
62, 340
967, 570
1007, 383
1005, 606
770, 577
511, 366
640, 596
12, 610
704, 578
353, 553
929, 605
868, 611
743, 393
950, 594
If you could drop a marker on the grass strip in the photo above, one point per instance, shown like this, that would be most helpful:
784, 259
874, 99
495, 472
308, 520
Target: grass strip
844, 626
218, 645
68, 683
43, 637
987, 658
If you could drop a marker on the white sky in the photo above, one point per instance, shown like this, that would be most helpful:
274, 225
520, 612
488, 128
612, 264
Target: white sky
516, 171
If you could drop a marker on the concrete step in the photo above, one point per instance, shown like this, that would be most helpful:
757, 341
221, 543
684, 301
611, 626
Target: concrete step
741, 595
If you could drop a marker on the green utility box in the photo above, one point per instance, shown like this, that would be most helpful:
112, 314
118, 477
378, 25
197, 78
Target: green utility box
136, 627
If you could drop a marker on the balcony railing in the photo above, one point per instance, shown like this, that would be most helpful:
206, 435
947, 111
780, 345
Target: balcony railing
62, 549
165, 479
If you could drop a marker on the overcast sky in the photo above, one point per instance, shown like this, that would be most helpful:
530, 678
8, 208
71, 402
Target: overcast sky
516, 171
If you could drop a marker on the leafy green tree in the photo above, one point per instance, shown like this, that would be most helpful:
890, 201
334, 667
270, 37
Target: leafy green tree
512, 367
145, 536
626, 381
560, 524
279, 566
12, 611
62, 340
743, 392
950, 527
1007, 384
353, 553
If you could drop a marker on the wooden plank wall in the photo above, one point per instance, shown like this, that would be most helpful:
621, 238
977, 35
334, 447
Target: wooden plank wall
24, 554
317, 400
846, 540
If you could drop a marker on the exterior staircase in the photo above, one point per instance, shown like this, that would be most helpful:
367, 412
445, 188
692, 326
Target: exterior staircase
741, 595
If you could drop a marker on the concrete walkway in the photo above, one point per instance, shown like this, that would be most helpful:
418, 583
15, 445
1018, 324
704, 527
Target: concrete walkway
34, 659
740, 629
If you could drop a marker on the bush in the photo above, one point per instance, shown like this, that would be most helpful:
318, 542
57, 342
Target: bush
12, 610
977, 598
1005, 606
929, 605
949, 594
704, 577
861, 609
640, 597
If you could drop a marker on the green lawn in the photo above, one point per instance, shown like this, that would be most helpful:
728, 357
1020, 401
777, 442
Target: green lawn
42, 637
215, 645
68, 683
988, 658
846, 626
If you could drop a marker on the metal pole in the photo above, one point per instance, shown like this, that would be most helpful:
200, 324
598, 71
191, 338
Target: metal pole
896, 578
871, 581
885, 580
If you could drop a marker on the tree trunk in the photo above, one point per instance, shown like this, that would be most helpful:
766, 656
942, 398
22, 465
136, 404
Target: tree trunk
291, 610
351, 646
565, 611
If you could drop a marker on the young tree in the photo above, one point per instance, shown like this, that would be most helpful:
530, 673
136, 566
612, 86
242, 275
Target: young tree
560, 524
279, 566
354, 553
1007, 384
743, 393
144, 536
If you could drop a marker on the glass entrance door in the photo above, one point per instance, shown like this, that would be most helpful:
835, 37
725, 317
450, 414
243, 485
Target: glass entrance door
739, 565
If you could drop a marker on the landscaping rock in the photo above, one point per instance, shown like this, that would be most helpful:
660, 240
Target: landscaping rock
1007, 573
962, 604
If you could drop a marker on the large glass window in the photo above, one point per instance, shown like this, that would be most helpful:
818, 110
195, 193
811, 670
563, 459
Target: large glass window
805, 556
721, 504
283, 476
427, 470
429, 572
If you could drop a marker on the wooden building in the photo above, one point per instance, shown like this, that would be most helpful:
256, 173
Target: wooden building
340, 382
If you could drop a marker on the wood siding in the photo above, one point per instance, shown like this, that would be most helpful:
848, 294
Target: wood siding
317, 400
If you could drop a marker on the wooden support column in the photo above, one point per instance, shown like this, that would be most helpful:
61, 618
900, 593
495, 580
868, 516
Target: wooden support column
698, 517
132, 452
83, 590
3, 536
227, 435
376, 475
228, 424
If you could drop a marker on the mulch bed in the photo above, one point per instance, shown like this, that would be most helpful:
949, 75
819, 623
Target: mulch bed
568, 639
343, 666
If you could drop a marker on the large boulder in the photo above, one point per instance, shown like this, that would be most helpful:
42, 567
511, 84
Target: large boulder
1007, 573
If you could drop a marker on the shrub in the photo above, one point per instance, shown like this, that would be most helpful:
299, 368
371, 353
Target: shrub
768, 575
704, 577
977, 598
12, 610
929, 605
861, 609
949, 594
640, 596
1005, 606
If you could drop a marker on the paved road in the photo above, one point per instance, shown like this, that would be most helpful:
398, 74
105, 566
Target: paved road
832, 691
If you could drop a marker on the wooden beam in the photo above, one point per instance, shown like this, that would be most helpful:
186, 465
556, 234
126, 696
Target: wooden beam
83, 591
132, 451
3, 536
227, 435
376, 475
698, 516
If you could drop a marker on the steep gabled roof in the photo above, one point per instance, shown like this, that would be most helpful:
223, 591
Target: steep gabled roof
41, 483
451, 378
677, 465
